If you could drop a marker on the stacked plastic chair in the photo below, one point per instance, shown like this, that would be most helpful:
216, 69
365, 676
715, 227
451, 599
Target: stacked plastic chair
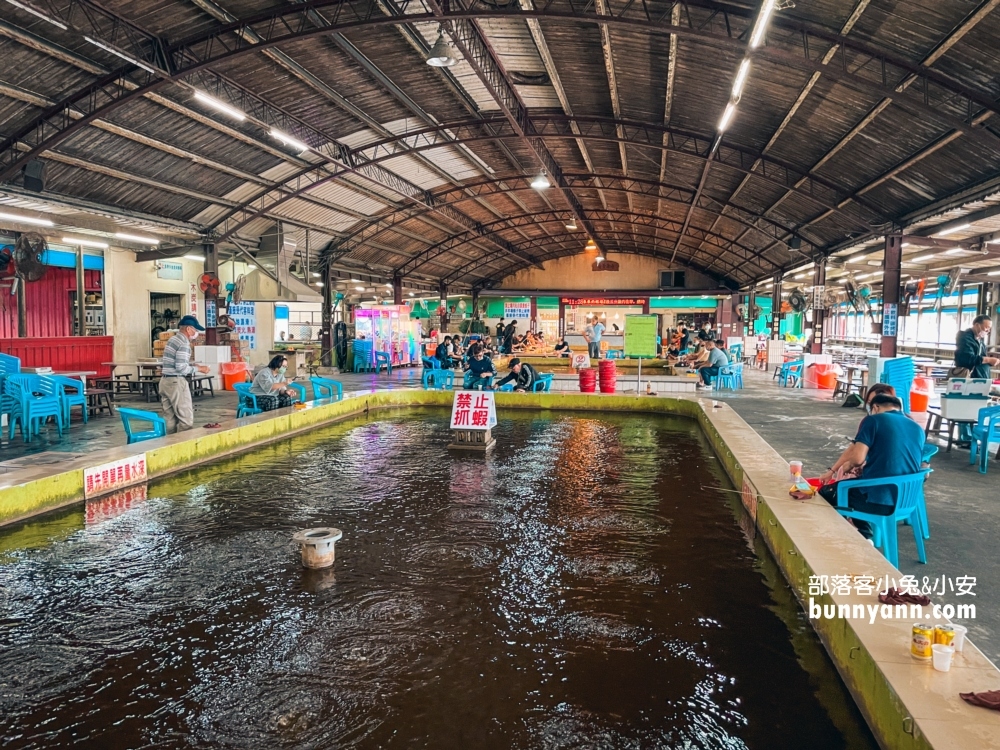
78, 397
31, 400
730, 376
899, 373
986, 431
363, 359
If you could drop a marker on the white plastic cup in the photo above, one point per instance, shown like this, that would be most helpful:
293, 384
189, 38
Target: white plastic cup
960, 632
941, 655
795, 467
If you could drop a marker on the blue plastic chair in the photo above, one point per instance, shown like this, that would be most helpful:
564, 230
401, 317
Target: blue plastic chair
736, 352
791, 371
910, 498
986, 431
248, 405
158, 425
29, 409
899, 373
437, 379
507, 388
363, 360
383, 358
730, 376
431, 363
324, 388
543, 384
78, 397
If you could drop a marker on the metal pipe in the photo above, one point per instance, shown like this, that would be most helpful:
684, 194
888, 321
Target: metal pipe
81, 295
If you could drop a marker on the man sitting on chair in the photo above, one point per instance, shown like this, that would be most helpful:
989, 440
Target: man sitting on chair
523, 375
481, 369
888, 444
716, 360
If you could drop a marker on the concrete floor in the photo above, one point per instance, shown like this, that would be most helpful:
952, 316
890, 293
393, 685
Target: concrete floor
963, 505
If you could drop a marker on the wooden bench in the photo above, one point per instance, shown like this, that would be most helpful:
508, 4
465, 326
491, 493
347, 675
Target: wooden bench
845, 386
100, 399
201, 383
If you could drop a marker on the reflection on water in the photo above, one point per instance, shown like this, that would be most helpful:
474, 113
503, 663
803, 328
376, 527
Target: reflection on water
579, 587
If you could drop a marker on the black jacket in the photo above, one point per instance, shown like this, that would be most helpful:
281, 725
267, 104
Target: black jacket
969, 353
522, 380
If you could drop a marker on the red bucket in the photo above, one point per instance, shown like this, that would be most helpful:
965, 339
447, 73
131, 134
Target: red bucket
588, 380
608, 375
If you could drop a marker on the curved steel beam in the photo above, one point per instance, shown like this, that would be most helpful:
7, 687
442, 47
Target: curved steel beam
790, 44
770, 229
635, 218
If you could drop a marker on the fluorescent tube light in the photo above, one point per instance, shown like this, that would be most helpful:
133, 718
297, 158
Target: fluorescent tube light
741, 78
760, 28
195, 257
38, 14
83, 243
360, 288
316, 275
922, 258
221, 106
27, 220
955, 251
946, 232
726, 117
137, 238
122, 55
288, 141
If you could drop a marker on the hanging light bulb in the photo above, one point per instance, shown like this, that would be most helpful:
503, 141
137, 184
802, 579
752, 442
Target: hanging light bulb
442, 54
591, 245
571, 224
541, 181
599, 258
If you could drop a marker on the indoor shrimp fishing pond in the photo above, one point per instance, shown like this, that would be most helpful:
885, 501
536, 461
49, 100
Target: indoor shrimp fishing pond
586, 584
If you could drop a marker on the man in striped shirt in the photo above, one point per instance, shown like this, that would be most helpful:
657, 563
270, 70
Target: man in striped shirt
175, 394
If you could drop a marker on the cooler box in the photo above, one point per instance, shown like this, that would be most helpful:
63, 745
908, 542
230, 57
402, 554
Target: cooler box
233, 372
964, 397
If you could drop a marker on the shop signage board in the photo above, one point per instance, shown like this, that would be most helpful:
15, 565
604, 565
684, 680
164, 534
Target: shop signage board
517, 310
819, 297
603, 301
640, 335
210, 319
115, 475
170, 269
244, 316
890, 318
192, 299
473, 410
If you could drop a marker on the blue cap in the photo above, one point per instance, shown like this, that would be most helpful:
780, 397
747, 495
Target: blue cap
191, 320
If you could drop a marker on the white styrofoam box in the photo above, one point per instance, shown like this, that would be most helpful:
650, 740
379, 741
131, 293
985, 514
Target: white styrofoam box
213, 370
962, 407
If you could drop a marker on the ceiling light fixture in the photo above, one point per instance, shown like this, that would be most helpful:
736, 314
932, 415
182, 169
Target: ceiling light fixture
993, 273
137, 238
591, 245
571, 224
760, 28
315, 275
922, 258
741, 79
26, 220
318, 283
412, 294
360, 288
801, 275
442, 54
541, 181
289, 141
388, 286
946, 232
196, 257
955, 251
599, 258
38, 14
727, 116
83, 243
122, 55
222, 107
355, 281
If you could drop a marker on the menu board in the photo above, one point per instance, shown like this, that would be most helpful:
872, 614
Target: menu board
640, 335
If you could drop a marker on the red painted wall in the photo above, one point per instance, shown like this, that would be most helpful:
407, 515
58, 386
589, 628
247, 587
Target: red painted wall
65, 353
48, 304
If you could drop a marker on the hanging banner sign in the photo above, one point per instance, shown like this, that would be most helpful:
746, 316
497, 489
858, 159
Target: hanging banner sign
169, 269
473, 410
193, 299
116, 475
890, 313
521, 310
210, 319
244, 316
640, 335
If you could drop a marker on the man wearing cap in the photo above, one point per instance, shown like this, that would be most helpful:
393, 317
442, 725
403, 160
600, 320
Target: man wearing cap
175, 394
523, 375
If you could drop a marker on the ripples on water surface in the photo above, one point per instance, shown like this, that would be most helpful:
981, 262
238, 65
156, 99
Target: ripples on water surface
578, 588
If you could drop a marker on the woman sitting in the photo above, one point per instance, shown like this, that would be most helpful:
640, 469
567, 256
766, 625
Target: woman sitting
270, 386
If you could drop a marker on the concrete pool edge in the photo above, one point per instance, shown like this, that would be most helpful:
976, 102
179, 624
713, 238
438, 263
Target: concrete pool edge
906, 703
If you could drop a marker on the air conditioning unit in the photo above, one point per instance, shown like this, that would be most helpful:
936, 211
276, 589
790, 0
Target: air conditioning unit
673, 279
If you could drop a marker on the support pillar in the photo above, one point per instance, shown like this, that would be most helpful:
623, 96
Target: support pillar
533, 314
81, 295
475, 305
443, 309
819, 315
211, 299
776, 314
326, 334
397, 290
22, 304
890, 294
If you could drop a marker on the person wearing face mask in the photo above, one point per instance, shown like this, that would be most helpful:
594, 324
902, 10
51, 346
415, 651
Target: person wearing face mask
970, 350
270, 386
175, 394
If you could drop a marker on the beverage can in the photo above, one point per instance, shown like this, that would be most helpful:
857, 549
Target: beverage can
923, 639
944, 634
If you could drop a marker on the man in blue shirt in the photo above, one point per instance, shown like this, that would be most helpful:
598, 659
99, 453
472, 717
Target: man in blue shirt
888, 444
596, 341
716, 359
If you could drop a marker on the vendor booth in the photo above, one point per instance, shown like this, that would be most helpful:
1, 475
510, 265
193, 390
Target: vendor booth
391, 330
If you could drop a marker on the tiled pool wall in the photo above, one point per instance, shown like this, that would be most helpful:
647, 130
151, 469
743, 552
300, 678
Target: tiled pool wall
907, 705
